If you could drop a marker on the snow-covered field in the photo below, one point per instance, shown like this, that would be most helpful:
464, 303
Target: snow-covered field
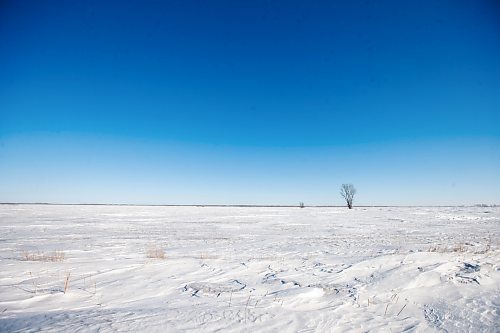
100, 268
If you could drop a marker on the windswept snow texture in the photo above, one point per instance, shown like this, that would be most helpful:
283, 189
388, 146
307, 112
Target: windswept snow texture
249, 269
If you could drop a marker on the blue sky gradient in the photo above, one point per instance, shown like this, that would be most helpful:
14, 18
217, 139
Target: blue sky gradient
181, 102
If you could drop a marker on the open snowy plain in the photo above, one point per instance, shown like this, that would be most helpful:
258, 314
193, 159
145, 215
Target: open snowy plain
204, 269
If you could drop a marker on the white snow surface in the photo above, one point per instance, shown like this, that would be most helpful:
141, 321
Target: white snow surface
249, 269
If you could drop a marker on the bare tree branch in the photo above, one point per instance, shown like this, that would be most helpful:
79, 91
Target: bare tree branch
347, 191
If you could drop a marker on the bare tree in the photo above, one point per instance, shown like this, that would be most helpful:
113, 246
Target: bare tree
301, 204
347, 191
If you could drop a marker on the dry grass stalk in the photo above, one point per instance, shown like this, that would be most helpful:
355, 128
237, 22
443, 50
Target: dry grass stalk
35, 286
246, 306
256, 303
90, 285
66, 282
401, 310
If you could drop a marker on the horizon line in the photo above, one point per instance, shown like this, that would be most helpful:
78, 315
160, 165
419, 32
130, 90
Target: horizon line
237, 205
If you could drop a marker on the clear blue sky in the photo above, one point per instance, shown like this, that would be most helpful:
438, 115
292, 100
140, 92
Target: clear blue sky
250, 102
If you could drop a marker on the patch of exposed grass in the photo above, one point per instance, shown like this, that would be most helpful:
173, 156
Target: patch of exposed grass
155, 252
56, 256
458, 247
